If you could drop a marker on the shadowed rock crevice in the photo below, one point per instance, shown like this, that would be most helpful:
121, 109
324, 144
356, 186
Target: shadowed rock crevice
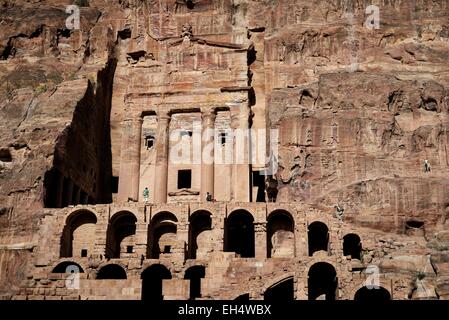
83, 151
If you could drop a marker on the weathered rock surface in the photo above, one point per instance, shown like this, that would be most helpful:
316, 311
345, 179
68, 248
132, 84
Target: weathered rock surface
358, 111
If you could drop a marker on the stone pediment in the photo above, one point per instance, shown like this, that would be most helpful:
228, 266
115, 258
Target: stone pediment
184, 192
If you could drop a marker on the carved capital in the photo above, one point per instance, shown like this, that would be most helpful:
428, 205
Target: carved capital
208, 115
235, 117
163, 116
243, 119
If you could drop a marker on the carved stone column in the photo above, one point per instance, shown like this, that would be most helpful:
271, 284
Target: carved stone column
162, 148
130, 160
240, 169
260, 230
207, 152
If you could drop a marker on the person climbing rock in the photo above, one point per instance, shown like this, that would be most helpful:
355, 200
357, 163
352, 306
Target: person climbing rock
146, 194
426, 166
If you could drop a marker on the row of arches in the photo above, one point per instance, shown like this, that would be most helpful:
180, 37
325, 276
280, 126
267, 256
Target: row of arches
322, 283
78, 237
152, 277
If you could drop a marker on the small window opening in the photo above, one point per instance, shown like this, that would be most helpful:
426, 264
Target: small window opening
184, 179
149, 142
223, 138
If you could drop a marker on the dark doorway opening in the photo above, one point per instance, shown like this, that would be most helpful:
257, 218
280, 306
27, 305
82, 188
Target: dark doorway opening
239, 234
322, 282
318, 236
161, 234
121, 226
200, 222
259, 184
152, 282
74, 221
280, 235
184, 179
352, 246
195, 274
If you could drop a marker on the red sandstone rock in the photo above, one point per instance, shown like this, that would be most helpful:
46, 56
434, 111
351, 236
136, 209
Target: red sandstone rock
358, 111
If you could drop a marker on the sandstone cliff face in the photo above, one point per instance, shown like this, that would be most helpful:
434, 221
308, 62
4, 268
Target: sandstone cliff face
53, 88
358, 110
362, 108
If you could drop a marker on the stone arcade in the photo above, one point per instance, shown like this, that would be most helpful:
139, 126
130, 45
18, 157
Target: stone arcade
103, 110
